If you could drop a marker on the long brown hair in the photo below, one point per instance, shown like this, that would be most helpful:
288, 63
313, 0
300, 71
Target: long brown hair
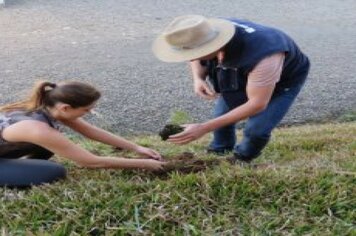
47, 94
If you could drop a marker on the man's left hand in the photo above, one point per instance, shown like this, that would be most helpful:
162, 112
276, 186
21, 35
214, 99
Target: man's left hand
191, 132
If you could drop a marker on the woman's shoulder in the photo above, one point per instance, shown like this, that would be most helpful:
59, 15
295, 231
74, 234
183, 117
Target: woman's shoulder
44, 116
37, 115
8, 118
28, 131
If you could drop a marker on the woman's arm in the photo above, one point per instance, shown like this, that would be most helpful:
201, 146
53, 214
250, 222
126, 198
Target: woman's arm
41, 134
100, 135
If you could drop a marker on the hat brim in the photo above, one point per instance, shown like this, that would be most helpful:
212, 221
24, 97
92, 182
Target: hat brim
165, 52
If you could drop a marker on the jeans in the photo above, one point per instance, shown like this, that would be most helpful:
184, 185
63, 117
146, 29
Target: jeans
36, 170
258, 128
28, 172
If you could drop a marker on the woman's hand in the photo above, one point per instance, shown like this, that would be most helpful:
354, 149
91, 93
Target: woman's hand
191, 132
150, 164
147, 152
202, 89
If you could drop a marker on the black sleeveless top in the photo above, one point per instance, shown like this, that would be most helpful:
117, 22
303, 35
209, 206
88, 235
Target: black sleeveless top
19, 149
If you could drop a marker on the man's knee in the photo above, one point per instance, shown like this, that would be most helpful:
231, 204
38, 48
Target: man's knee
250, 147
224, 140
257, 130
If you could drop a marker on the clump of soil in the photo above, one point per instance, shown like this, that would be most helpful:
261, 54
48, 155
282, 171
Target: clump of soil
170, 129
187, 163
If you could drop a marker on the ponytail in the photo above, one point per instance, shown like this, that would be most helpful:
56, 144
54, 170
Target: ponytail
34, 101
38, 95
47, 94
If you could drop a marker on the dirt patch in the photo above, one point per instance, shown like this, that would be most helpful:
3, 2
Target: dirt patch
187, 163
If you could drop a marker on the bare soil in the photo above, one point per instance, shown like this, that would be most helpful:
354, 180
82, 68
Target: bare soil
187, 163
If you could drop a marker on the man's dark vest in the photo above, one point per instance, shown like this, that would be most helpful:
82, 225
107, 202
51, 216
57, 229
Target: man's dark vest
250, 44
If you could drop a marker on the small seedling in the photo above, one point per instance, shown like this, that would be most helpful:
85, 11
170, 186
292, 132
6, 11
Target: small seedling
170, 129
177, 119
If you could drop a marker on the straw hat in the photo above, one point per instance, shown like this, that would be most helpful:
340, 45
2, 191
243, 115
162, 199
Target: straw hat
192, 36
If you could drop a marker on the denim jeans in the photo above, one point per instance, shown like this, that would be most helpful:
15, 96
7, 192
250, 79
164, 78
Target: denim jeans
28, 172
258, 128
35, 170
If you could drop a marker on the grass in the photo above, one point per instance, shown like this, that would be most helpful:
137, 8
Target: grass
179, 117
348, 116
311, 190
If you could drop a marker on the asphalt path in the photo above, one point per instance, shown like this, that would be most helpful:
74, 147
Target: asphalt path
108, 43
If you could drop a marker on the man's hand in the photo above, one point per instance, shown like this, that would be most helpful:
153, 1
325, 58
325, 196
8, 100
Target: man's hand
202, 89
191, 132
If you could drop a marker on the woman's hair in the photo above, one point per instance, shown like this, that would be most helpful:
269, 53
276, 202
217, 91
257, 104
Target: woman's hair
47, 94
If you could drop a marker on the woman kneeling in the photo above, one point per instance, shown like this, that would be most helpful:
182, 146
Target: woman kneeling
29, 129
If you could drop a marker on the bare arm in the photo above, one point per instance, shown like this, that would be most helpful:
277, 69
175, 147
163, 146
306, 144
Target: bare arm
258, 98
199, 74
41, 134
100, 135
260, 87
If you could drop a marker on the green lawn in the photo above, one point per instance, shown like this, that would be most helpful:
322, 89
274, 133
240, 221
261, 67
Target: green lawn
311, 190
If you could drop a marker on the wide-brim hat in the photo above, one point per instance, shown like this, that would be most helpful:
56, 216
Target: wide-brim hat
191, 37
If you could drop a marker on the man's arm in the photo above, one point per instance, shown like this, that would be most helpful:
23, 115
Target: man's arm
259, 93
199, 74
260, 86
258, 98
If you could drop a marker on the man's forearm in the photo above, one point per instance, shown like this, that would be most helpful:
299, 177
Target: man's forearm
240, 113
198, 71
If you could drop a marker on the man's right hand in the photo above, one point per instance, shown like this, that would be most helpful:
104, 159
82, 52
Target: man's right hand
202, 89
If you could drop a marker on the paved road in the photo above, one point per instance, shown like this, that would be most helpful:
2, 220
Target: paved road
108, 43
